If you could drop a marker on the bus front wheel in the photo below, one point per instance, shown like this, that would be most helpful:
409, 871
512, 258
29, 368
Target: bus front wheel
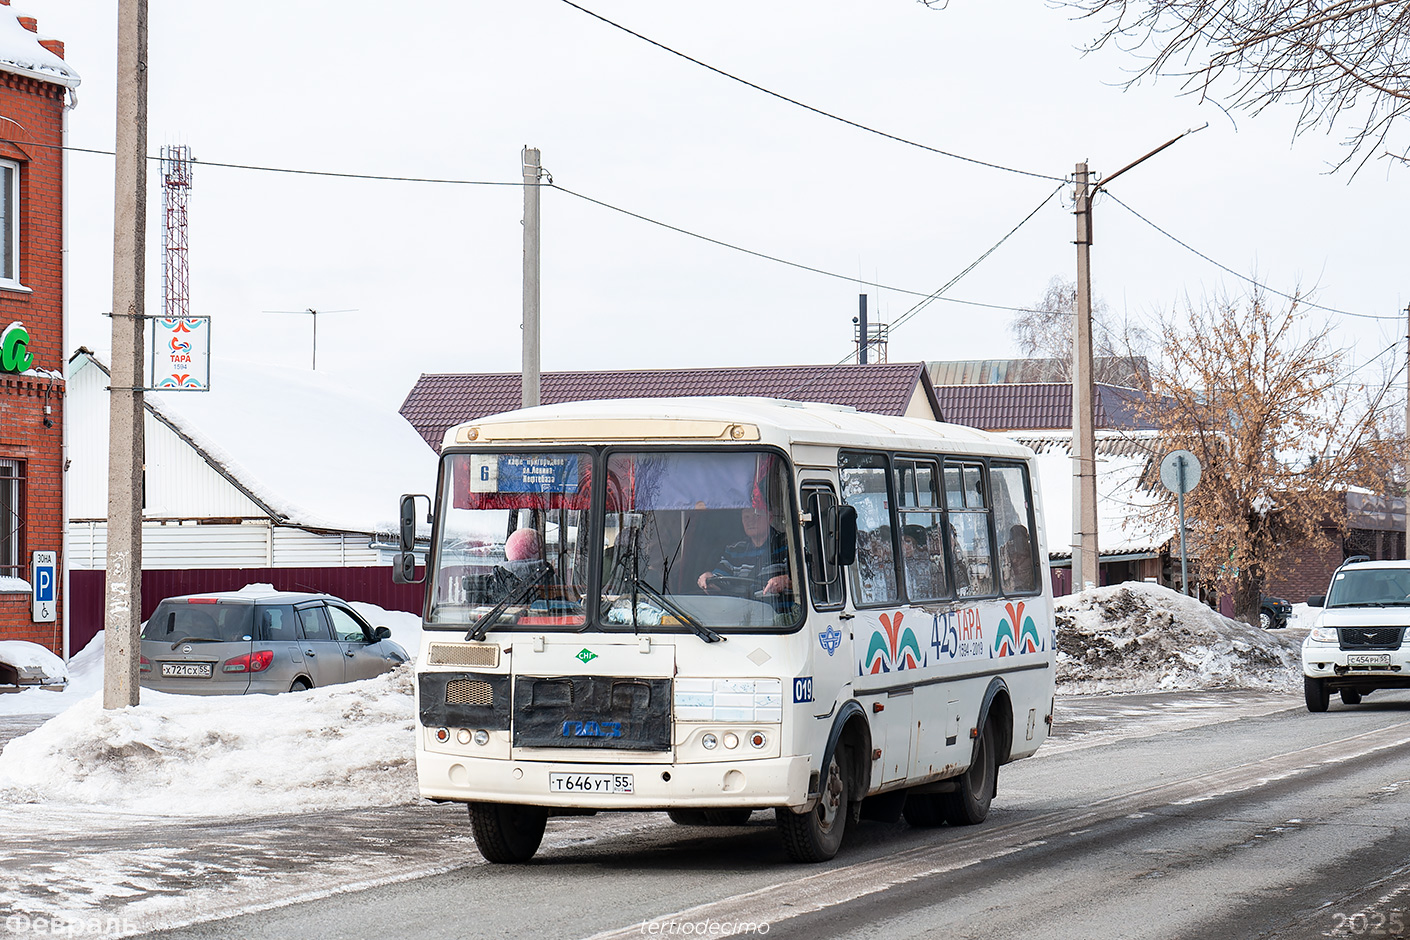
507, 833
815, 836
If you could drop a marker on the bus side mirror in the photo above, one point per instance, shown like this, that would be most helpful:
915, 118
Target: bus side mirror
404, 569
844, 527
407, 528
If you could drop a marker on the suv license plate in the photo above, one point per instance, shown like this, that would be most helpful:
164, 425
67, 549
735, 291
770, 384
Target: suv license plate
1368, 659
590, 783
186, 670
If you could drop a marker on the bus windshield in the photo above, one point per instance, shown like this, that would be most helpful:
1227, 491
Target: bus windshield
701, 539
509, 547
689, 541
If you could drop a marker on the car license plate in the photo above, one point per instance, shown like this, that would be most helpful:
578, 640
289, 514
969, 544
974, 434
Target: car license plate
186, 670
590, 783
1368, 659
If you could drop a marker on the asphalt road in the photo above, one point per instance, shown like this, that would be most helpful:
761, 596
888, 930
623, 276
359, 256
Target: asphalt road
1168, 816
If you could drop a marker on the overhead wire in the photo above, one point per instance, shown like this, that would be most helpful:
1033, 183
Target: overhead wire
1303, 301
808, 107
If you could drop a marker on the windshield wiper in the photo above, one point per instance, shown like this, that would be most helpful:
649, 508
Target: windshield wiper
671, 607
520, 591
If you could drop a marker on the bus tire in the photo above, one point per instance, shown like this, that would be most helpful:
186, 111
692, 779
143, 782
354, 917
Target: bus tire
1350, 697
815, 836
506, 833
968, 805
687, 817
1315, 693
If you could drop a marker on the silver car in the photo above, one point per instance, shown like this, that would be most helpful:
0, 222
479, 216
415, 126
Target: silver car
273, 641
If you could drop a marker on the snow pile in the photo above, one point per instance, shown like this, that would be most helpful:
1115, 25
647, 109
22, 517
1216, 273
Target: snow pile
1142, 637
34, 661
186, 755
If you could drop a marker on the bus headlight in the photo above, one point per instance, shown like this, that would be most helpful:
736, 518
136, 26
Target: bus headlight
708, 741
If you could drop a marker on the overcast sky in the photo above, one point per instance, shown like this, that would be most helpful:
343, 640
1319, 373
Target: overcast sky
454, 89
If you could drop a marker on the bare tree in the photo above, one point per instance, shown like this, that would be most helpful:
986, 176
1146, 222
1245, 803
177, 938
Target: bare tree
1344, 61
1255, 394
1045, 330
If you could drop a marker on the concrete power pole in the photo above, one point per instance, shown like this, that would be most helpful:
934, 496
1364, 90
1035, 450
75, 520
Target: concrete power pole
533, 169
123, 603
1085, 551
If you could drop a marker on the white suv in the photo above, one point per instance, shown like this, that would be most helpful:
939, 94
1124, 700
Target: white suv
1356, 645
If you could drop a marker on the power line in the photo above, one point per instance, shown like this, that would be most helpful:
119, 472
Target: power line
808, 107
1225, 268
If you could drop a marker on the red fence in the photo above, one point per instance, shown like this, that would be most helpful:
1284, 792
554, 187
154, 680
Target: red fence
369, 585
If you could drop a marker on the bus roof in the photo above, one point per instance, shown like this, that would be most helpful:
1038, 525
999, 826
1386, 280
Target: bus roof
724, 419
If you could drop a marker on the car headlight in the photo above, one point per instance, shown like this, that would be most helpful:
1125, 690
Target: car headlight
1324, 635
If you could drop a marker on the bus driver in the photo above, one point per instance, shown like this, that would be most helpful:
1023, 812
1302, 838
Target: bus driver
764, 549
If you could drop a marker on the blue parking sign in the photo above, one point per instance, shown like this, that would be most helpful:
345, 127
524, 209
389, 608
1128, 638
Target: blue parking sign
44, 579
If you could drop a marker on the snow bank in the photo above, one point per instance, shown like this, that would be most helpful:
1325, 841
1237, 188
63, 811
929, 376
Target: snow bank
1142, 637
185, 755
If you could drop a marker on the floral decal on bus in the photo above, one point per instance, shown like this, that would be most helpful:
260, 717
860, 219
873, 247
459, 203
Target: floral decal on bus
1017, 633
893, 649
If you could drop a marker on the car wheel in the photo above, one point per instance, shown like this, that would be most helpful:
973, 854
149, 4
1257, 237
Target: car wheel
506, 833
1350, 697
1316, 693
969, 804
300, 685
1266, 619
815, 836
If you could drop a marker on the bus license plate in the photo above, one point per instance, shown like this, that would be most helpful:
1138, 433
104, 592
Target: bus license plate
1368, 659
187, 670
590, 783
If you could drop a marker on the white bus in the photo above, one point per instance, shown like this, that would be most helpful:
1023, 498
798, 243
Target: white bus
711, 606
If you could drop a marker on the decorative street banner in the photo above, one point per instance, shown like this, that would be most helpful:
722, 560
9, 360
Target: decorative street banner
181, 354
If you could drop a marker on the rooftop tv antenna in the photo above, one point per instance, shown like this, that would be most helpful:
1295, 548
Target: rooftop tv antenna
313, 315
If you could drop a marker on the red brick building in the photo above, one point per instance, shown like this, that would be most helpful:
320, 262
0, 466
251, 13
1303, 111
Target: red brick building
35, 88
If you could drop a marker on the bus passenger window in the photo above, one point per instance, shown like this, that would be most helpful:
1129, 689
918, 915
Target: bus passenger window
1018, 570
863, 478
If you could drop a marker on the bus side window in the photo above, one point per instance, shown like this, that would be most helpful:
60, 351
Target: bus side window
1013, 524
820, 548
864, 487
970, 546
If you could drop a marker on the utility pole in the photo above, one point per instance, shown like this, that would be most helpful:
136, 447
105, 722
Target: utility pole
123, 602
533, 169
1086, 557
862, 329
1406, 495
1085, 551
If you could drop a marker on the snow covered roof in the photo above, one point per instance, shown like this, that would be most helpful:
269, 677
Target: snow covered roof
1121, 499
313, 452
24, 51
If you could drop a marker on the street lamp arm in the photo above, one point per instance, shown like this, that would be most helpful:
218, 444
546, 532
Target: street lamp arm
1140, 160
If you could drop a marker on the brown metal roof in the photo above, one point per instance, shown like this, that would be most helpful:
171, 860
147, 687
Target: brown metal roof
438, 402
1037, 406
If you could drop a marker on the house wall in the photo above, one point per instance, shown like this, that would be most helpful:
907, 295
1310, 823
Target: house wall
31, 114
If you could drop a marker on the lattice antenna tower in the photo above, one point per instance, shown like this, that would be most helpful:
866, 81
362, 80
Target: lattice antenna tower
176, 271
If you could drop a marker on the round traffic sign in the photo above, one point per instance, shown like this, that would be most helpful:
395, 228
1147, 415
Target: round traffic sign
1179, 471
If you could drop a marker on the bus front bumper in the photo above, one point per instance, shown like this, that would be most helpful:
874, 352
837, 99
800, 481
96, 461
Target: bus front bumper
760, 783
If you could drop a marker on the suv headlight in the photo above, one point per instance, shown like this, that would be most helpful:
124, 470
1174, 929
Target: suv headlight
1324, 635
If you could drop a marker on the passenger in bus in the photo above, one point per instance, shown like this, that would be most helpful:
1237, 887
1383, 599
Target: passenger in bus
921, 580
876, 566
1019, 551
761, 555
523, 555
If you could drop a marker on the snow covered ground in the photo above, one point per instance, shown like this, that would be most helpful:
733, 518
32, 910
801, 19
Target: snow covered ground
1138, 637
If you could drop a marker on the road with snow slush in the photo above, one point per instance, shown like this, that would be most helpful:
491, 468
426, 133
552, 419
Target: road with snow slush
1163, 816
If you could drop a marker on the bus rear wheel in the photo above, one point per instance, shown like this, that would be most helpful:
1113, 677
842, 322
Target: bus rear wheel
968, 805
506, 833
815, 836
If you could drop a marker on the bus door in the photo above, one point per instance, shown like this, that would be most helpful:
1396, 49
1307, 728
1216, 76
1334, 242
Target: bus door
831, 663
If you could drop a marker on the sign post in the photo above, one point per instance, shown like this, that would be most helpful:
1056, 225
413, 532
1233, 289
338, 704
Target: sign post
44, 579
1179, 471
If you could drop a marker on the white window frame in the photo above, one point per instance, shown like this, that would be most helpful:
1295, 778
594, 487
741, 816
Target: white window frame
12, 201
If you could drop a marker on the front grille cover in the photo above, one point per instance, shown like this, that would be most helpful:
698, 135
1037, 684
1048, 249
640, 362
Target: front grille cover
1370, 638
605, 712
465, 700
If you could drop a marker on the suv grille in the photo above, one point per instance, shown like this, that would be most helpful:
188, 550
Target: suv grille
1370, 638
